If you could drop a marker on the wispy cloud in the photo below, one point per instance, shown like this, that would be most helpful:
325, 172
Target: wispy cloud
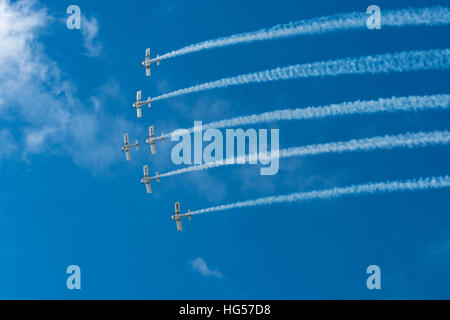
8, 143
41, 106
89, 30
35, 138
199, 265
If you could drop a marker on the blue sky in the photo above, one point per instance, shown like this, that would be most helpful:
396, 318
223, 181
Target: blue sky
67, 195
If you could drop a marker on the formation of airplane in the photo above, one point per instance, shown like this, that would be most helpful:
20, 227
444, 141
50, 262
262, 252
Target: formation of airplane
152, 140
146, 179
139, 103
126, 147
148, 61
178, 216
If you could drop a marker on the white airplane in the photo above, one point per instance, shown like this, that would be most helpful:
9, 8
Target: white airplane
177, 216
139, 103
147, 62
126, 147
151, 139
146, 179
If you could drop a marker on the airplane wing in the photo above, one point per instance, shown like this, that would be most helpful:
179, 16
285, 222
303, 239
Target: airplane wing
153, 148
125, 139
148, 187
151, 131
147, 183
128, 155
177, 216
145, 171
148, 72
179, 227
147, 52
138, 95
139, 112
151, 134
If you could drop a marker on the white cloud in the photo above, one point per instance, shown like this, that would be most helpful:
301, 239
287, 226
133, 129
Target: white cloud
199, 265
41, 106
8, 143
34, 139
17, 20
89, 30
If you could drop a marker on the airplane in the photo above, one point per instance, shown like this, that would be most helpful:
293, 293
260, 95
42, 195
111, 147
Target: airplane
139, 103
146, 179
147, 62
151, 139
177, 216
127, 146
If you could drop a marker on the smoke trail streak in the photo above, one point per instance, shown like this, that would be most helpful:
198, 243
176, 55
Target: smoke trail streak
394, 104
431, 16
383, 63
369, 188
409, 140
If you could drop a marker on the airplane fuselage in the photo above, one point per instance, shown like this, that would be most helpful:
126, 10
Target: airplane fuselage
128, 147
146, 180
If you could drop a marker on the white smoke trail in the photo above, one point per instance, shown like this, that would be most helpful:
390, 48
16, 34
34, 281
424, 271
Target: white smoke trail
432, 16
394, 104
369, 188
408, 140
383, 63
